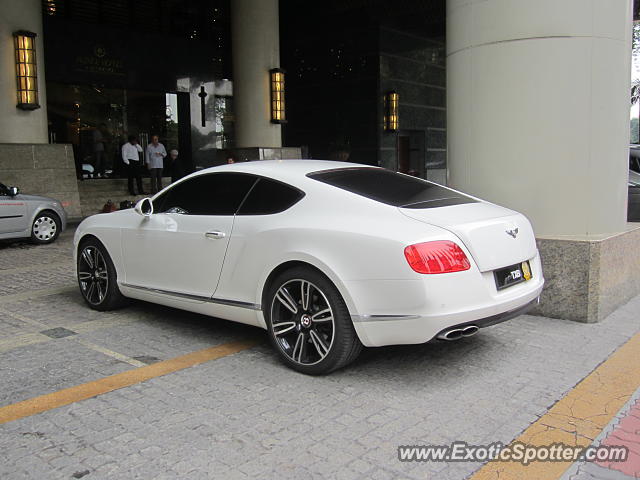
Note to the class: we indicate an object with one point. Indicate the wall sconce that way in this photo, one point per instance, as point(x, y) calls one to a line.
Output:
point(391, 118)
point(277, 95)
point(26, 70)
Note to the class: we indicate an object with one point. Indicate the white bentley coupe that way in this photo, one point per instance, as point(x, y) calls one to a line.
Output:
point(326, 256)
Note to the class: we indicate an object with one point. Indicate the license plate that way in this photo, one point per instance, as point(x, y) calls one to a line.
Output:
point(509, 276)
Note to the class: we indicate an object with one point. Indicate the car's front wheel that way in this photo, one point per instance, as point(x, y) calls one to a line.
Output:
point(45, 228)
point(97, 277)
point(309, 323)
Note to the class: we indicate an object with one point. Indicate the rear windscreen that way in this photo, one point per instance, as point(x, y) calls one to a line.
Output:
point(391, 188)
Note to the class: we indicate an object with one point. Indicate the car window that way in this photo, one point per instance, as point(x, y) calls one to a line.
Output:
point(391, 188)
point(210, 194)
point(270, 196)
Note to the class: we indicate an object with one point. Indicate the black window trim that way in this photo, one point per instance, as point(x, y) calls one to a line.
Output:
point(257, 179)
point(301, 193)
point(435, 202)
point(187, 179)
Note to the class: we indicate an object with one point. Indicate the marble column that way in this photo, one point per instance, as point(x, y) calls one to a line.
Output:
point(538, 109)
point(255, 40)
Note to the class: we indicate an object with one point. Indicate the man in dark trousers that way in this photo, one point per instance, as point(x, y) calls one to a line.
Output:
point(131, 157)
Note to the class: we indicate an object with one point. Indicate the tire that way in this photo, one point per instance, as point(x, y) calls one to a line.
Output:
point(97, 277)
point(45, 227)
point(313, 331)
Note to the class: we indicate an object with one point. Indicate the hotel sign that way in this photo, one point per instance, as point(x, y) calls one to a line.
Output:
point(99, 62)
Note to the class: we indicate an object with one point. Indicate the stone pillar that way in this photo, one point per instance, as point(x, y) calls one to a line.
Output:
point(255, 43)
point(19, 126)
point(538, 120)
point(538, 109)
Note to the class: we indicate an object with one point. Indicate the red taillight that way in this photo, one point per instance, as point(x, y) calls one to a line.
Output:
point(441, 256)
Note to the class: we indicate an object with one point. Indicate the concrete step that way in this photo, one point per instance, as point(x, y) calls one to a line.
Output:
point(94, 193)
point(92, 207)
point(112, 184)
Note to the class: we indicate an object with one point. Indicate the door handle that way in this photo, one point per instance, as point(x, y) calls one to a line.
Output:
point(215, 234)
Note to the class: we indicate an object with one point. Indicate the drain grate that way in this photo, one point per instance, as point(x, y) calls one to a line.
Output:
point(58, 332)
point(148, 359)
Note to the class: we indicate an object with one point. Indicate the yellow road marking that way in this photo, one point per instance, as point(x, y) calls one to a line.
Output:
point(22, 318)
point(88, 390)
point(16, 297)
point(109, 353)
point(30, 268)
point(577, 418)
point(31, 338)
point(22, 340)
point(117, 320)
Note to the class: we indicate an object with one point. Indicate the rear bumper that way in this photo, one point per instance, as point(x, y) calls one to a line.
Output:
point(495, 319)
point(402, 330)
point(413, 314)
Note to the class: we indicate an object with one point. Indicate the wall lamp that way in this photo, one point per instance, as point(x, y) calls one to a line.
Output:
point(391, 118)
point(277, 95)
point(26, 70)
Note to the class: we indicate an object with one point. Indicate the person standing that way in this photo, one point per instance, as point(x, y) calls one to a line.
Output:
point(98, 149)
point(155, 162)
point(175, 166)
point(131, 157)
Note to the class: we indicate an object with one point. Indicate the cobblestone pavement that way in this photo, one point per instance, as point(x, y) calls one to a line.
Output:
point(247, 416)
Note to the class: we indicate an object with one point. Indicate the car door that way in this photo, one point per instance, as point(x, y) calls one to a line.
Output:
point(182, 246)
point(13, 213)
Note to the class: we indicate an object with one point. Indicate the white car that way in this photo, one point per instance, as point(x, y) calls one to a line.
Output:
point(326, 256)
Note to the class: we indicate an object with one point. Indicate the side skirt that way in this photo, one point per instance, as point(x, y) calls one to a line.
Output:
point(234, 310)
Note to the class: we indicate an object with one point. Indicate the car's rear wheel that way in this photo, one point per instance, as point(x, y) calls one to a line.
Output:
point(45, 228)
point(97, 277)
point(309, 323)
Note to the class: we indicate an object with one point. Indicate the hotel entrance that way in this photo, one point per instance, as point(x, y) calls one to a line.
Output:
point(97, 122)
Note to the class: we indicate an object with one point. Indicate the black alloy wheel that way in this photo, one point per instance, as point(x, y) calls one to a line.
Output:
point(309, 323)
point(97, 277)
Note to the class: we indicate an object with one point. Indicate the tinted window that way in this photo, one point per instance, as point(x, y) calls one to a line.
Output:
point(269, 196)
point(391, 188)
point(212, 194)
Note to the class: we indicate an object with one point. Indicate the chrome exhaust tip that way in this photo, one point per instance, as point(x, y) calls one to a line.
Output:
point(470, 331)
point(458, 333)
point(451, 335)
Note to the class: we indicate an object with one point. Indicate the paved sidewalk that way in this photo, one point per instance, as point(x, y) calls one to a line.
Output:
point(247, 416)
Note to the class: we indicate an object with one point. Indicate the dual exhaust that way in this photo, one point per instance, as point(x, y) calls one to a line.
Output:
point(458, 333)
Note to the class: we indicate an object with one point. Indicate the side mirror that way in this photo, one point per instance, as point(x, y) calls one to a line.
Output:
point(13, 191)
point(144, 207)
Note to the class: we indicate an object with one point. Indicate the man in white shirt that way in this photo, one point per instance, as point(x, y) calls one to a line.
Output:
point(131, 157)
point(155, 162)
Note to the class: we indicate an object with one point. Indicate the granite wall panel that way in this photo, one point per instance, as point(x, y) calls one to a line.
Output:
point(42, 169)
point(587, 279)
